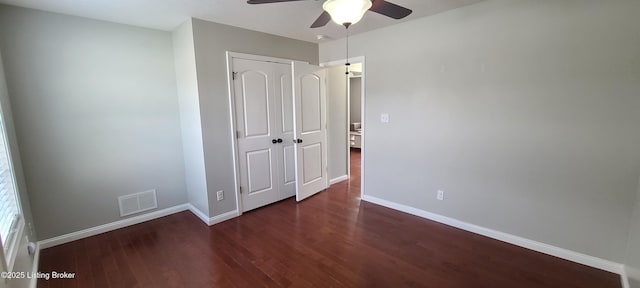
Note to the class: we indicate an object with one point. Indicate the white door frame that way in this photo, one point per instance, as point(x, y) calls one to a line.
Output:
point(234, 140)
point(358, 59)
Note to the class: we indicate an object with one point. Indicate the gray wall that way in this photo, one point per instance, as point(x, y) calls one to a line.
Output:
point(632, 257)
point(96, 116)
point(23, 261)
point(191, 127)
point(355, 97)
point(212, 40)
point(525, 112)
point(337, 121)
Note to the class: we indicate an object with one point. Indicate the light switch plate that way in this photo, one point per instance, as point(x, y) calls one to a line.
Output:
point(384, 118)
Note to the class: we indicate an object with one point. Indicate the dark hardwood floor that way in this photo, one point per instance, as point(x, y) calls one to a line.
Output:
point(329, 240)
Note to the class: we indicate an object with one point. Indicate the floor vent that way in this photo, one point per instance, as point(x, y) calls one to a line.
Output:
point(137, 202)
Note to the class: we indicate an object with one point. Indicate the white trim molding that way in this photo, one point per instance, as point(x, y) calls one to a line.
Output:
point(505, 237)
point(36, 263)
point(55, 241)
point(215, 219)
point(66, 238)
point(338, 179)
point(223, 217)
point(259, 57)
point(13, 245)
point(198, 213)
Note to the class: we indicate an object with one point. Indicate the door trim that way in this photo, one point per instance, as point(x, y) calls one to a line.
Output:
point(358, 59)
point(232, 115)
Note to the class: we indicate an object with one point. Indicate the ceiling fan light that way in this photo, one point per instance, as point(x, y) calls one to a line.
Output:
point(346, 11)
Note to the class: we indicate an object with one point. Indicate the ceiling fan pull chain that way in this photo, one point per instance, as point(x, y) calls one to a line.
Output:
point(347, 64)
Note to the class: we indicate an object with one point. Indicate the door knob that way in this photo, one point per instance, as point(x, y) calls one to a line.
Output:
point(274, 141)
point(297, 141)
point(279, 140)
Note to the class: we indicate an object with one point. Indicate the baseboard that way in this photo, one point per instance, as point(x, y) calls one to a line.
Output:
point(47, 243)
point(223, 217)
point(338, 179)
point(198, 213)
point(215, 219)
point(505, 237)
point(34, 269)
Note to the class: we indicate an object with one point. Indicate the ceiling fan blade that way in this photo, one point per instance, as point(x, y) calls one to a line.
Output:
point(389, 9)
point(268, 1)
point(322, 20)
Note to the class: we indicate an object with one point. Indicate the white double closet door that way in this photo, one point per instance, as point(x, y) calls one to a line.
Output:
point(281, 130)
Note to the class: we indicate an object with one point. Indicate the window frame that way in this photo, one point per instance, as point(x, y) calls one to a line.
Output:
point(11, 245)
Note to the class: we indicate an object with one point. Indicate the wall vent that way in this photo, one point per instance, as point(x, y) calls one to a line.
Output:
point(137, 202)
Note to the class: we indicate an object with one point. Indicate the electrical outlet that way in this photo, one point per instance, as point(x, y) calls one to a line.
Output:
point(440, 195)
point(220, 195)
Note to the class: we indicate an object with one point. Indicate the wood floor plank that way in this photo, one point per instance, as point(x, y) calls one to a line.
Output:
point(96, 253)
point(330, 240)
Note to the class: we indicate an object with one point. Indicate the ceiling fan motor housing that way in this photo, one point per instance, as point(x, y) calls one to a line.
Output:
point(343, 11)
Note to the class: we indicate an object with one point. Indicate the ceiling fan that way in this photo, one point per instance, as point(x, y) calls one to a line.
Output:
point(348, 12)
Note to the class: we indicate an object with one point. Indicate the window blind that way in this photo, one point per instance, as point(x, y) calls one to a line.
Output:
point(9, 211)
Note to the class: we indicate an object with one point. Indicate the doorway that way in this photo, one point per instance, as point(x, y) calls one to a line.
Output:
point(346, 126)
point(354, 98)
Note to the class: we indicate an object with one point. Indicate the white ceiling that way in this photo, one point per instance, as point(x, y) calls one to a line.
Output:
point(286, 19)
